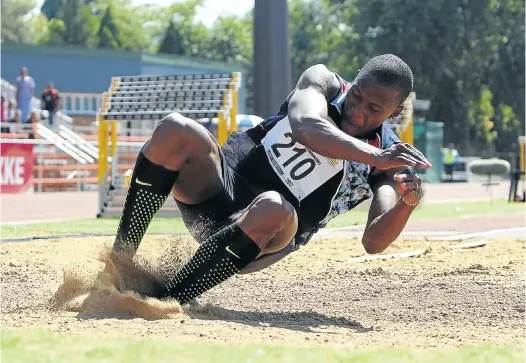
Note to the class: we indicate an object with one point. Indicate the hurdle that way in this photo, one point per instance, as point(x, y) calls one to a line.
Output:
point(149, 99)
point(405, 128)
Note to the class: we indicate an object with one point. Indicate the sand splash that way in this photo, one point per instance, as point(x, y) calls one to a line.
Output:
point(115, 284)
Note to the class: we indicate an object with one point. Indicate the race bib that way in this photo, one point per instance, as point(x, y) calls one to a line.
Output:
point(300, 169)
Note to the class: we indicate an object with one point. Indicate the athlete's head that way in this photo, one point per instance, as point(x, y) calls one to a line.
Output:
point(377, 93)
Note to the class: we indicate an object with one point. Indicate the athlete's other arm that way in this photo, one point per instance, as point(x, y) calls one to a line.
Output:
point(310, 125)
point(388, 213)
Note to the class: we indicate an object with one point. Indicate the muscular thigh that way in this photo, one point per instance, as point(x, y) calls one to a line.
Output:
point(200, 177)
point(182, 144)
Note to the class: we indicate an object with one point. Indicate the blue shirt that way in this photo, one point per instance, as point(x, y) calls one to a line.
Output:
point(24, 86)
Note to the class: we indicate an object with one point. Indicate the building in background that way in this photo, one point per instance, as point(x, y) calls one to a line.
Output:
point(83, 74)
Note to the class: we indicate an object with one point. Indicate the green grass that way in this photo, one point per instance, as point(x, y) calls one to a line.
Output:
point(46, 346)
point(93, 226)
point(437, 211)
point(175, 225)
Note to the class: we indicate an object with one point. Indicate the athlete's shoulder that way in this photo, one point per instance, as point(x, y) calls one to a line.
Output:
point(320, 77)
point(317, 71)
point(387, 135)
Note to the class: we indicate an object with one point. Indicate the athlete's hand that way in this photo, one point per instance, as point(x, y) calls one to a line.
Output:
point(409, 187)
point(400, 155)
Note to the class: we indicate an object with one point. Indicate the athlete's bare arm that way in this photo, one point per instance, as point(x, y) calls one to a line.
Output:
point(388, 214)
point(310, 125)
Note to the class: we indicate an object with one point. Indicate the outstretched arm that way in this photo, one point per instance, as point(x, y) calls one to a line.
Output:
point(395, 198)
point(310, 125)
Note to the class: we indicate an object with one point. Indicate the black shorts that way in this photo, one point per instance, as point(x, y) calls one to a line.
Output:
point(206, 218)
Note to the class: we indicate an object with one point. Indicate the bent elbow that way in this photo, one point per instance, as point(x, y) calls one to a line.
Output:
point(373, 247)
point(298, 132)
point(372, 250)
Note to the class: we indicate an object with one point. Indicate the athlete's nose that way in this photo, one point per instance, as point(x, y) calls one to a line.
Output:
point(356, 115)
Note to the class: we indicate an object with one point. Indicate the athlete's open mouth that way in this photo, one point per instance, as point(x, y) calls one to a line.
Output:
point(349, 127)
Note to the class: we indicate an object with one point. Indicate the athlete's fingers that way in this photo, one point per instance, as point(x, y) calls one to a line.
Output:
point(409, 185)
point(420, 164)
point(415, 153)
point(408, 156)
point(406, 160)
point(402, 177)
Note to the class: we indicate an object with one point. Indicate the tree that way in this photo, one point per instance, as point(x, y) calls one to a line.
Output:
point(108, 32)
point(132, 29)
point(480, 116)
point(231, 40)
point(505, 73)
point(14, 27)
point(450, 45)
point(507, 128)
point(316, 36)
point(55, 33)
point(174, 41)
point(51, 8)
point(79, 23)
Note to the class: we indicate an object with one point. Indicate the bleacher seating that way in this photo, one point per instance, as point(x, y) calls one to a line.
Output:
point(145, 100)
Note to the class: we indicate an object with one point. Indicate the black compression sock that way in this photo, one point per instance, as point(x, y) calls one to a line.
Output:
point(149, 187)
point(222, 256)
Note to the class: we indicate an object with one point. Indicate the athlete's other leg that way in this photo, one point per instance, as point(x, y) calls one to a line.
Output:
point(267, 226)
point(181, 157)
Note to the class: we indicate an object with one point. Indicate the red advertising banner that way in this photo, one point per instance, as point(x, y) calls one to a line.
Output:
point(16, 167)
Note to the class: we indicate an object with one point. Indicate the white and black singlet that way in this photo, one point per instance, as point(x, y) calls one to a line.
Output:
point(265, 158)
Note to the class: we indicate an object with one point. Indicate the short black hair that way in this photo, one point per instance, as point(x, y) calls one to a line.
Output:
point(391, 71)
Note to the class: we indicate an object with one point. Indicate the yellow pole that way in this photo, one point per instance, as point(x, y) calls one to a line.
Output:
point(114, 83)
point(222, 129)
point(114, 126)
point(105, 101)
point(103, 148)
point(100, 139)
point(407, 133)
point(233, 109)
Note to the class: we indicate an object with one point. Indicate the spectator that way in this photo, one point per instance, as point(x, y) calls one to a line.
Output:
point(17, 117)
point(450, 159)
point(50, 102)
point(25, 86)
point(14, 118)
point(34, 119)
point(4, 129)
point(3, 110)
point(11, 110)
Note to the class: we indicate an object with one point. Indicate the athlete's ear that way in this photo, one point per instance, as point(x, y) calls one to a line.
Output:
point(397, 111)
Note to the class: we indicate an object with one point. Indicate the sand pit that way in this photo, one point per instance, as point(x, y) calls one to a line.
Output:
point(443, 297)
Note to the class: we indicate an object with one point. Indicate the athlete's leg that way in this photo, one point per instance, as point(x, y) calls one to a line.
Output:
point(267, 226)
point(181, 157)
point(267, 260)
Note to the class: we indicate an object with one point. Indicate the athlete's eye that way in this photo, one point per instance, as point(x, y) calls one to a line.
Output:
point(374, 109)
point(355, 94)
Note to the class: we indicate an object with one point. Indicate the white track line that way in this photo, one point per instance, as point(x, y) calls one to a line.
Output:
point(517, 232)
point(37, 222)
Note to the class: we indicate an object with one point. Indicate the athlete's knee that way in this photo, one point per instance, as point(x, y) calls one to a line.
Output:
point(168, 141)
point(275, 210)
point(172, 125)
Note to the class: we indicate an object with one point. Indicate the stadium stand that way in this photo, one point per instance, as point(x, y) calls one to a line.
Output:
point(144, 101)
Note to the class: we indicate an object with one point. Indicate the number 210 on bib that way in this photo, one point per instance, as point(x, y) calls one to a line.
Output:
point(300, 169)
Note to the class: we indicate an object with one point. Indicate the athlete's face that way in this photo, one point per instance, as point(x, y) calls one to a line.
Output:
point(367, 105)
